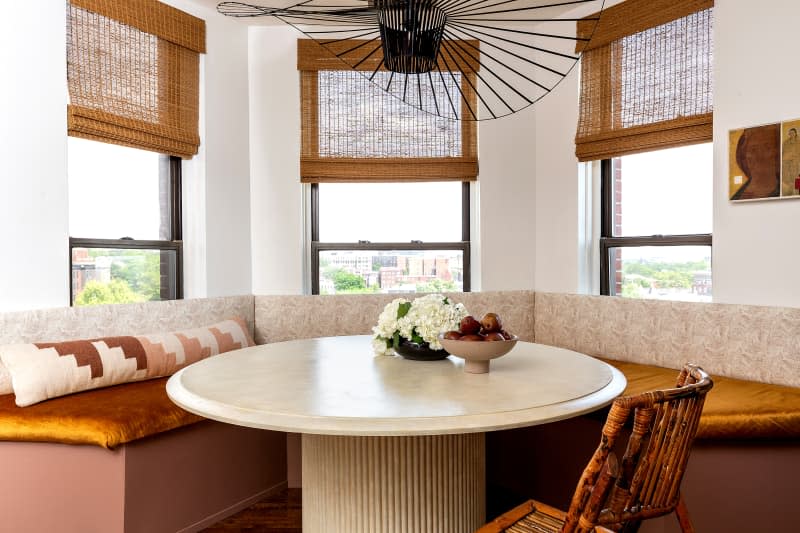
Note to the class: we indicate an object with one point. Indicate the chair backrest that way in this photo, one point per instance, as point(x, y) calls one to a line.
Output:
point(646, 482)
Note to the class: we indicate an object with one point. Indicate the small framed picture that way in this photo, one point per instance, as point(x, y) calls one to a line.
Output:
point(790, 158)
point(755, 163)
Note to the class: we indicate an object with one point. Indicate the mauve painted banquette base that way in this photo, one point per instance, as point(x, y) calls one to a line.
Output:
point(179, 481)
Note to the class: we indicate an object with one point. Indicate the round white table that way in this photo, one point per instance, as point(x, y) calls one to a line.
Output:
point(391, 445)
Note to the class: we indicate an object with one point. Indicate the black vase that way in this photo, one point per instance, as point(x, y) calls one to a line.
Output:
point(419, 351)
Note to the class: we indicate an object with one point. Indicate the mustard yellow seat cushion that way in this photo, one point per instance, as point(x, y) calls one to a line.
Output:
point(734, 409)
point(105, 417)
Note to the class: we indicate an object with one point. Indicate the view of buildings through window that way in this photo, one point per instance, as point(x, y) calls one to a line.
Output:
point(363, 246)
point(108, 275)
point(661, 218)
point(120, 225)
point(389, 184)
point(391, 271)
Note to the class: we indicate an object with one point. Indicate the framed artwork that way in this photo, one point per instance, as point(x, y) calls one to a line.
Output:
point(764, 162)
point(790, 158)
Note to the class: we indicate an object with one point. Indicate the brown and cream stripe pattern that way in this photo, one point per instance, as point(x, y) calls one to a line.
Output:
point(46, 370)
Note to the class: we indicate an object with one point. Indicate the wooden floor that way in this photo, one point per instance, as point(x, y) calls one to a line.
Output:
point(280, 513)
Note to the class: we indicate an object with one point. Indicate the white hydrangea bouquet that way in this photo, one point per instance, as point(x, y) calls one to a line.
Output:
point(418, 321)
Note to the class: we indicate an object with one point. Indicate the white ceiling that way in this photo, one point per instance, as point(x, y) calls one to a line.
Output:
point(248, 21)
point(272, 21)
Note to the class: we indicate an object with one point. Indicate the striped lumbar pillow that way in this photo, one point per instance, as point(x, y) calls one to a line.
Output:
point(47, 370)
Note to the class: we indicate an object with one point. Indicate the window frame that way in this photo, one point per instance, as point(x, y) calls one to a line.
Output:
point(174, 244)
point(608, 240)
point(464, 245)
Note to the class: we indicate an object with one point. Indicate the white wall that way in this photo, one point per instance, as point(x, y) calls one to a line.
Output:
point(506, 256)
point(756, 81)
point(227, 159)
point(34, 253)
point(507, 194)
point(244, 182)
point(557, 189)
point(564, 247)
point(277, 195)
point(756, 244)
point(241, 191)
point(33, 180)
point(217, 181)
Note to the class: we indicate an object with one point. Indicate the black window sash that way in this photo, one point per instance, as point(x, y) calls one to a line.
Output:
point(175, 244)
point(463, 245)
point(609, 241)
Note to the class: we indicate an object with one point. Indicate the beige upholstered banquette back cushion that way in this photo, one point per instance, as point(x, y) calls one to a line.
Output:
point(739, 341)
point(60, 324)
point(280, 318)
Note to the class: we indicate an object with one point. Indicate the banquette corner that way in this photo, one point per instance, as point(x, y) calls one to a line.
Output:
point(153, 467)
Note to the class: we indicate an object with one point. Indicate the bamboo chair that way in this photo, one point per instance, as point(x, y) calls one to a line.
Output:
point(617, 496)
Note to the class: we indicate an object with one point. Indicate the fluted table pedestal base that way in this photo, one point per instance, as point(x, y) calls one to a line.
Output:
point(413, 484)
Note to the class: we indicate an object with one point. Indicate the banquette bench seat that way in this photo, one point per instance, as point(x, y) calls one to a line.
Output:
point(110, 417)
point(748, 445)
point(106, 417)
point(756, 399)
point(737, 409)
point(125, 458)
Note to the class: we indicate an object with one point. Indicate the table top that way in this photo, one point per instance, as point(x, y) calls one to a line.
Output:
point(338, 386)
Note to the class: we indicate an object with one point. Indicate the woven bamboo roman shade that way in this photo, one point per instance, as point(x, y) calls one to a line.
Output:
point(133, 74)
point(353, 131)
point(646, 78)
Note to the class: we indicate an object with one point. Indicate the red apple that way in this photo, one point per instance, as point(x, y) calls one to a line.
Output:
point(452, 335)
point(471, 337)
point(491, 322)
point(494, 336)
point(469, 326)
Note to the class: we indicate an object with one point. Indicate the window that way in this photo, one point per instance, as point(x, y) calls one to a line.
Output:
point(390, 193)
point(124, 224)
point(133, 80)
point(656, 224)
point(646, 112)
point(357, 245)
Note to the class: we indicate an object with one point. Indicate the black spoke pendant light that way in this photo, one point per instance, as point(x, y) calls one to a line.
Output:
point(512, 52)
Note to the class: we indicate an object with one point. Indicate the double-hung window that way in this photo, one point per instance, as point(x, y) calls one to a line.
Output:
point(389, 184)
point(656, 215)
point(125, 224)
point(646, 114)
point(133, 79)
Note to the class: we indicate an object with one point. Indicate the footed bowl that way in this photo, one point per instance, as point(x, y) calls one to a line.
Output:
point(477, 354)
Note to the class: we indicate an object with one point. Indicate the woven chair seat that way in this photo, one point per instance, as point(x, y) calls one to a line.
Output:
point(531, 517)
point(538, 520)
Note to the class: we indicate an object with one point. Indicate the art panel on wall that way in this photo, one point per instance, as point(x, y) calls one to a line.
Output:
point(790, 159)
point(764, 162)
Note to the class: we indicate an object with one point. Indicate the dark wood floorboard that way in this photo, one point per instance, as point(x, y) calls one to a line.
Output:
point(280, 513)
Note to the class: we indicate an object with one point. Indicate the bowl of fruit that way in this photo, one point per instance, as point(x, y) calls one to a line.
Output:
point(478, 342)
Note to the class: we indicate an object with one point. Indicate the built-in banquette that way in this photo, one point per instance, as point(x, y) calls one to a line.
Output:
point(124, 458)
